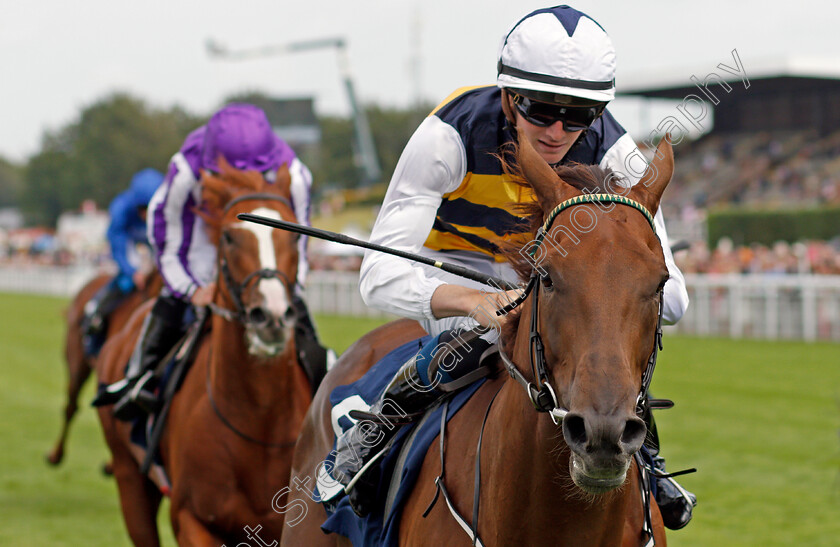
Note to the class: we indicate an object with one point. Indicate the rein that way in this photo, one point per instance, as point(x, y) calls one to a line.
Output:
point(540, 392)
point(232, 427)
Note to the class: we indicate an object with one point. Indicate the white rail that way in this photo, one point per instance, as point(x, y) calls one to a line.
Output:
point(796, 307)
point(46, 280)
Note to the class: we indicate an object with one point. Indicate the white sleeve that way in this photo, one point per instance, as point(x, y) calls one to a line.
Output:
point(432, 164)
point(170, 226)
point(301, 187)
point(624, 157)
point(675, 296)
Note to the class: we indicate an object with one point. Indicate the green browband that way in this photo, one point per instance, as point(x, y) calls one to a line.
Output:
point(589, 198)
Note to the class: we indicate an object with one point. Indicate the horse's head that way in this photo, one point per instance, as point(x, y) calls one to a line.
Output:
point(257, 265)
point(599, 271)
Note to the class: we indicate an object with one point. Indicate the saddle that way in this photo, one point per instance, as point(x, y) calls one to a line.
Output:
point(146, 431)
point(400, 465)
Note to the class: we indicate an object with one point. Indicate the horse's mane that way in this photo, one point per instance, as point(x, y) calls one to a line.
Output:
point(586, 178)
point(217, 190)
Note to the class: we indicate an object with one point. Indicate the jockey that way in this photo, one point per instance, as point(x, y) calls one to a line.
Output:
point(556, 70)
point(186, 258)
point(126, 230)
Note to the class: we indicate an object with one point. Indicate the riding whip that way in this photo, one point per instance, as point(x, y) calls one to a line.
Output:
point(455, 269)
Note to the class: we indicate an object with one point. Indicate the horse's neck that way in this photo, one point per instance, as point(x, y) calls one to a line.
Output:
point(238, 375)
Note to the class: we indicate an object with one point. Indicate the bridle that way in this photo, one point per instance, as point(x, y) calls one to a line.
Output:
point(235, 290)
point(240, 314)
point(540, 392)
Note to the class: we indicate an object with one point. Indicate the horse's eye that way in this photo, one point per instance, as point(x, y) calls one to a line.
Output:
point(547, 282)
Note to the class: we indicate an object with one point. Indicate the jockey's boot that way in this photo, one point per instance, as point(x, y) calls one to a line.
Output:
point(444, 365)
point(314, 357)
point(675, 502)
point(401, 403)
point(134, 395)
point(95, 319)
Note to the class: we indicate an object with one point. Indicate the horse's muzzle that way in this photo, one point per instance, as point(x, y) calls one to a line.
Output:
point(268, 334)
point(602, 447)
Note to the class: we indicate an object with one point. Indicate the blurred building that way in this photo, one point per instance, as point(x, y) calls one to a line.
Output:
point(769, 136)
point(82, 233)
point(10, 218)
point(786, 95)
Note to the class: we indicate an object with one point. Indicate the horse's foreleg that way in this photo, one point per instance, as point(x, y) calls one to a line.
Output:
point(139, 497)
point(140, 500)
point(78, 372)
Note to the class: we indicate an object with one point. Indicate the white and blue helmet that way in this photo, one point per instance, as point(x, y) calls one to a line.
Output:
point(558, 51)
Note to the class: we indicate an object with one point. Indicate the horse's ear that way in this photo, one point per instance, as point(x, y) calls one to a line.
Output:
point(284, 181)
point(657, 176)
point(549, 188)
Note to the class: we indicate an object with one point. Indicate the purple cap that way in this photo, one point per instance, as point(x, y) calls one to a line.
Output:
point(242, 134)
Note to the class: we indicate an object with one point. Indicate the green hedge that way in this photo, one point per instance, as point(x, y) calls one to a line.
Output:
point(767, 227)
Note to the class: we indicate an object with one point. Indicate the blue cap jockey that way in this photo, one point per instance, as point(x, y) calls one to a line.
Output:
point(128, 223)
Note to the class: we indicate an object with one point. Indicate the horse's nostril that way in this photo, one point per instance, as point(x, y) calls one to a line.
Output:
point(634, 434)
point(574, 429)
point(289, 315)
point(257, 316)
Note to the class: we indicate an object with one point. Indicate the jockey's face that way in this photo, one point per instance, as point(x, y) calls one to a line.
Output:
point(553, 125)
point(551, 142)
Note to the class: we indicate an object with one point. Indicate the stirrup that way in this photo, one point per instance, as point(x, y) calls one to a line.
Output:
point(112, 393)
point(138, 401)
point(366, 467)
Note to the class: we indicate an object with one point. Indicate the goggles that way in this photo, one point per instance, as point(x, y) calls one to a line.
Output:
point(574, 118)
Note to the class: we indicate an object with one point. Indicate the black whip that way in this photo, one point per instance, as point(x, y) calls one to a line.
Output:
point(492, 281)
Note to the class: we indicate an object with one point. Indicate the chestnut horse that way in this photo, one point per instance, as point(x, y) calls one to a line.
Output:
point(231, 428)
point(565, 476)
point(80, 365)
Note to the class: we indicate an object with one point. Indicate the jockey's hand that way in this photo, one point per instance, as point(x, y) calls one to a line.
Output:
point(203, 296)
point(139, 279)
point(457, 301)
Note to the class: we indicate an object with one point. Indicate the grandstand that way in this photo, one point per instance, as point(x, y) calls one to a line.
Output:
point(775, 138)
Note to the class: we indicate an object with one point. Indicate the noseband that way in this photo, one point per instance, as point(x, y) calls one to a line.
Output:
point(237, 289)
point(540, 392)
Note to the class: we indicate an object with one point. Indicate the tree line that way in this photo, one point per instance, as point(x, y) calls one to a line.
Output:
point(95, 156)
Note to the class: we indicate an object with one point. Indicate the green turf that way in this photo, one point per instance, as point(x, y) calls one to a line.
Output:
point(73, 504)
point(760, 420)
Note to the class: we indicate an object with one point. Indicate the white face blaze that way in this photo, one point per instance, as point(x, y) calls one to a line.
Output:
point(272, 289)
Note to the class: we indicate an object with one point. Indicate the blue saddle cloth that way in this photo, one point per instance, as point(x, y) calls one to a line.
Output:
point(378, 529)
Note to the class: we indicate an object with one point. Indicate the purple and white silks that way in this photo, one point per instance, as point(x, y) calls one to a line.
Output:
point(185, 256)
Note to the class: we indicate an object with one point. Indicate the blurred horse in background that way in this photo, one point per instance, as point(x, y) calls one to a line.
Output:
point(79, 364)
point(227, 447)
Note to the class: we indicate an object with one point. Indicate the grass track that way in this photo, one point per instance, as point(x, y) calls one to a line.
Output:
point(759, 419)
